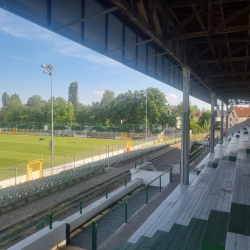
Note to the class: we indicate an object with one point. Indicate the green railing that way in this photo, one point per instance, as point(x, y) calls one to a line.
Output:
point(197, 153)
point(125, 203)
point(49, 218)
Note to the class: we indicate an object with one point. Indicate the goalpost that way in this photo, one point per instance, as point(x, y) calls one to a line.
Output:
point(34, 169)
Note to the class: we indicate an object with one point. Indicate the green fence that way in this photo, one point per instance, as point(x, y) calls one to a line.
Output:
point(50, 217)
point(101, 127)
point(198, 152)
point(124, 208)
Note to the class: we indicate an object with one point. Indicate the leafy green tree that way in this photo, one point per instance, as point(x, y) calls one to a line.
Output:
point(13, 110)
point(172, 121)
point(195, 108)
point(178, 112)
point(15, 97)
point(73, 96)
point(63, 111)
point(157, 106)
point(107, 107)
point(204, 119)
point(34, 110)
point(194, 126)
point(5, 99)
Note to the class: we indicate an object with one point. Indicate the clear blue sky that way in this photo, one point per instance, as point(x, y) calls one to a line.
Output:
point(24, 46)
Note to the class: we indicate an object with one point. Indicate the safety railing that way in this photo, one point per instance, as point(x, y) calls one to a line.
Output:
point(198, 152)
point(49, 218)
point(124, 208)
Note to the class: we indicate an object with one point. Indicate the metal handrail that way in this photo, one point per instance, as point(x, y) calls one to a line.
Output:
point(197, 152)
point(52, 216)
point(94, 224)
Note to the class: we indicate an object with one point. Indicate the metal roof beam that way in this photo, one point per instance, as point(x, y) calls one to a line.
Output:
point(185, 3)
point(216, 40)
point(131, 45)
point(232, 74)
point(233, 59)
point(206, 33)
point(88, 17)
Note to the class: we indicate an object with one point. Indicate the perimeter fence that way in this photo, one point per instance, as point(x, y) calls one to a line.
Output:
point(14, 175)
point(99, 127)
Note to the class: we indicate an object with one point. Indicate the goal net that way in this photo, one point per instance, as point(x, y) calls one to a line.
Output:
point(34, 169)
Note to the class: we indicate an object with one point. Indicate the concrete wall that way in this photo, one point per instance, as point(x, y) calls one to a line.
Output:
point(148, 176)
point(44, 239)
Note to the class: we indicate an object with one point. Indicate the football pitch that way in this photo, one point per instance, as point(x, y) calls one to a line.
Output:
point(18, 149)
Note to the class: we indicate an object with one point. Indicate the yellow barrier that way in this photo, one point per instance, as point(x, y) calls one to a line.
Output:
point(33, 167)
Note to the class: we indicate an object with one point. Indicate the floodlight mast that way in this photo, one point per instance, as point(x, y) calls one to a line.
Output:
point(49, 70)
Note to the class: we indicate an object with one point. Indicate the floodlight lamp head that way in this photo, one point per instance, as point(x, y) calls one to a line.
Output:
point(44, 66)
point(45, 72)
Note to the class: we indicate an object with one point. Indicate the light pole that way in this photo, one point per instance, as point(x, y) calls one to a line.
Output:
point(49, 70)
point(41, 140)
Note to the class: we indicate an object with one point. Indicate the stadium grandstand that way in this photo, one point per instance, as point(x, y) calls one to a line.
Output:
point(200, 48)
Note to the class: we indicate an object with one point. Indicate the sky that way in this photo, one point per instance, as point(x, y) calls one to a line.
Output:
point(24, 46)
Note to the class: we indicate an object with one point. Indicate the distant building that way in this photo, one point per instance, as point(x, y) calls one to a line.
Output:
point(218, 117)
point(170, 110)
point(238, 115)
point(197, 115)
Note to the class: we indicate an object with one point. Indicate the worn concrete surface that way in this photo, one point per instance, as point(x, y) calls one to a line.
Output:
point(127, 230)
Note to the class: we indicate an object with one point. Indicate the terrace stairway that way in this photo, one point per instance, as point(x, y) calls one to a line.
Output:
point(213, 212)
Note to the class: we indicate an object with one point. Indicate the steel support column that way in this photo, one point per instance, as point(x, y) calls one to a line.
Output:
point(221, 123)
point(212, 123)
point(185, 129)
point(226, 120)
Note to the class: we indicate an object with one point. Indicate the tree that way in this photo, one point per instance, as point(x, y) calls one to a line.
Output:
point(194, 126)
point(5, 99)
point(15, 97)
point(63, 111)
point(12, 111)
point(73, 96)
point(195, 108)
point(107, 107)
point(172, 121)
point(178, 112)
point(35, 109)
point(204, 119)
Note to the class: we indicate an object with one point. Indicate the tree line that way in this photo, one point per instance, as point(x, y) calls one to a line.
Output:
point(126, 108)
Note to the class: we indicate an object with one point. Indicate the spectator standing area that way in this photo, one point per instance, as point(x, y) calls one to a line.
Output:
point(210, 213)
point(200, 48)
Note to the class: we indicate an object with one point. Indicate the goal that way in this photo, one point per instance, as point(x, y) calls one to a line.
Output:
point(34, 169)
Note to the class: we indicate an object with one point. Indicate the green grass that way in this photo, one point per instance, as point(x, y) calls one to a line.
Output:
point(18, 149)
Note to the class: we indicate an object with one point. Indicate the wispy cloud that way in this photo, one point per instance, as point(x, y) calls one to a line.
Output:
point(19, 27)
point(17, 58)
point(103, 60)
point(99, 92)
point(172, 96)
